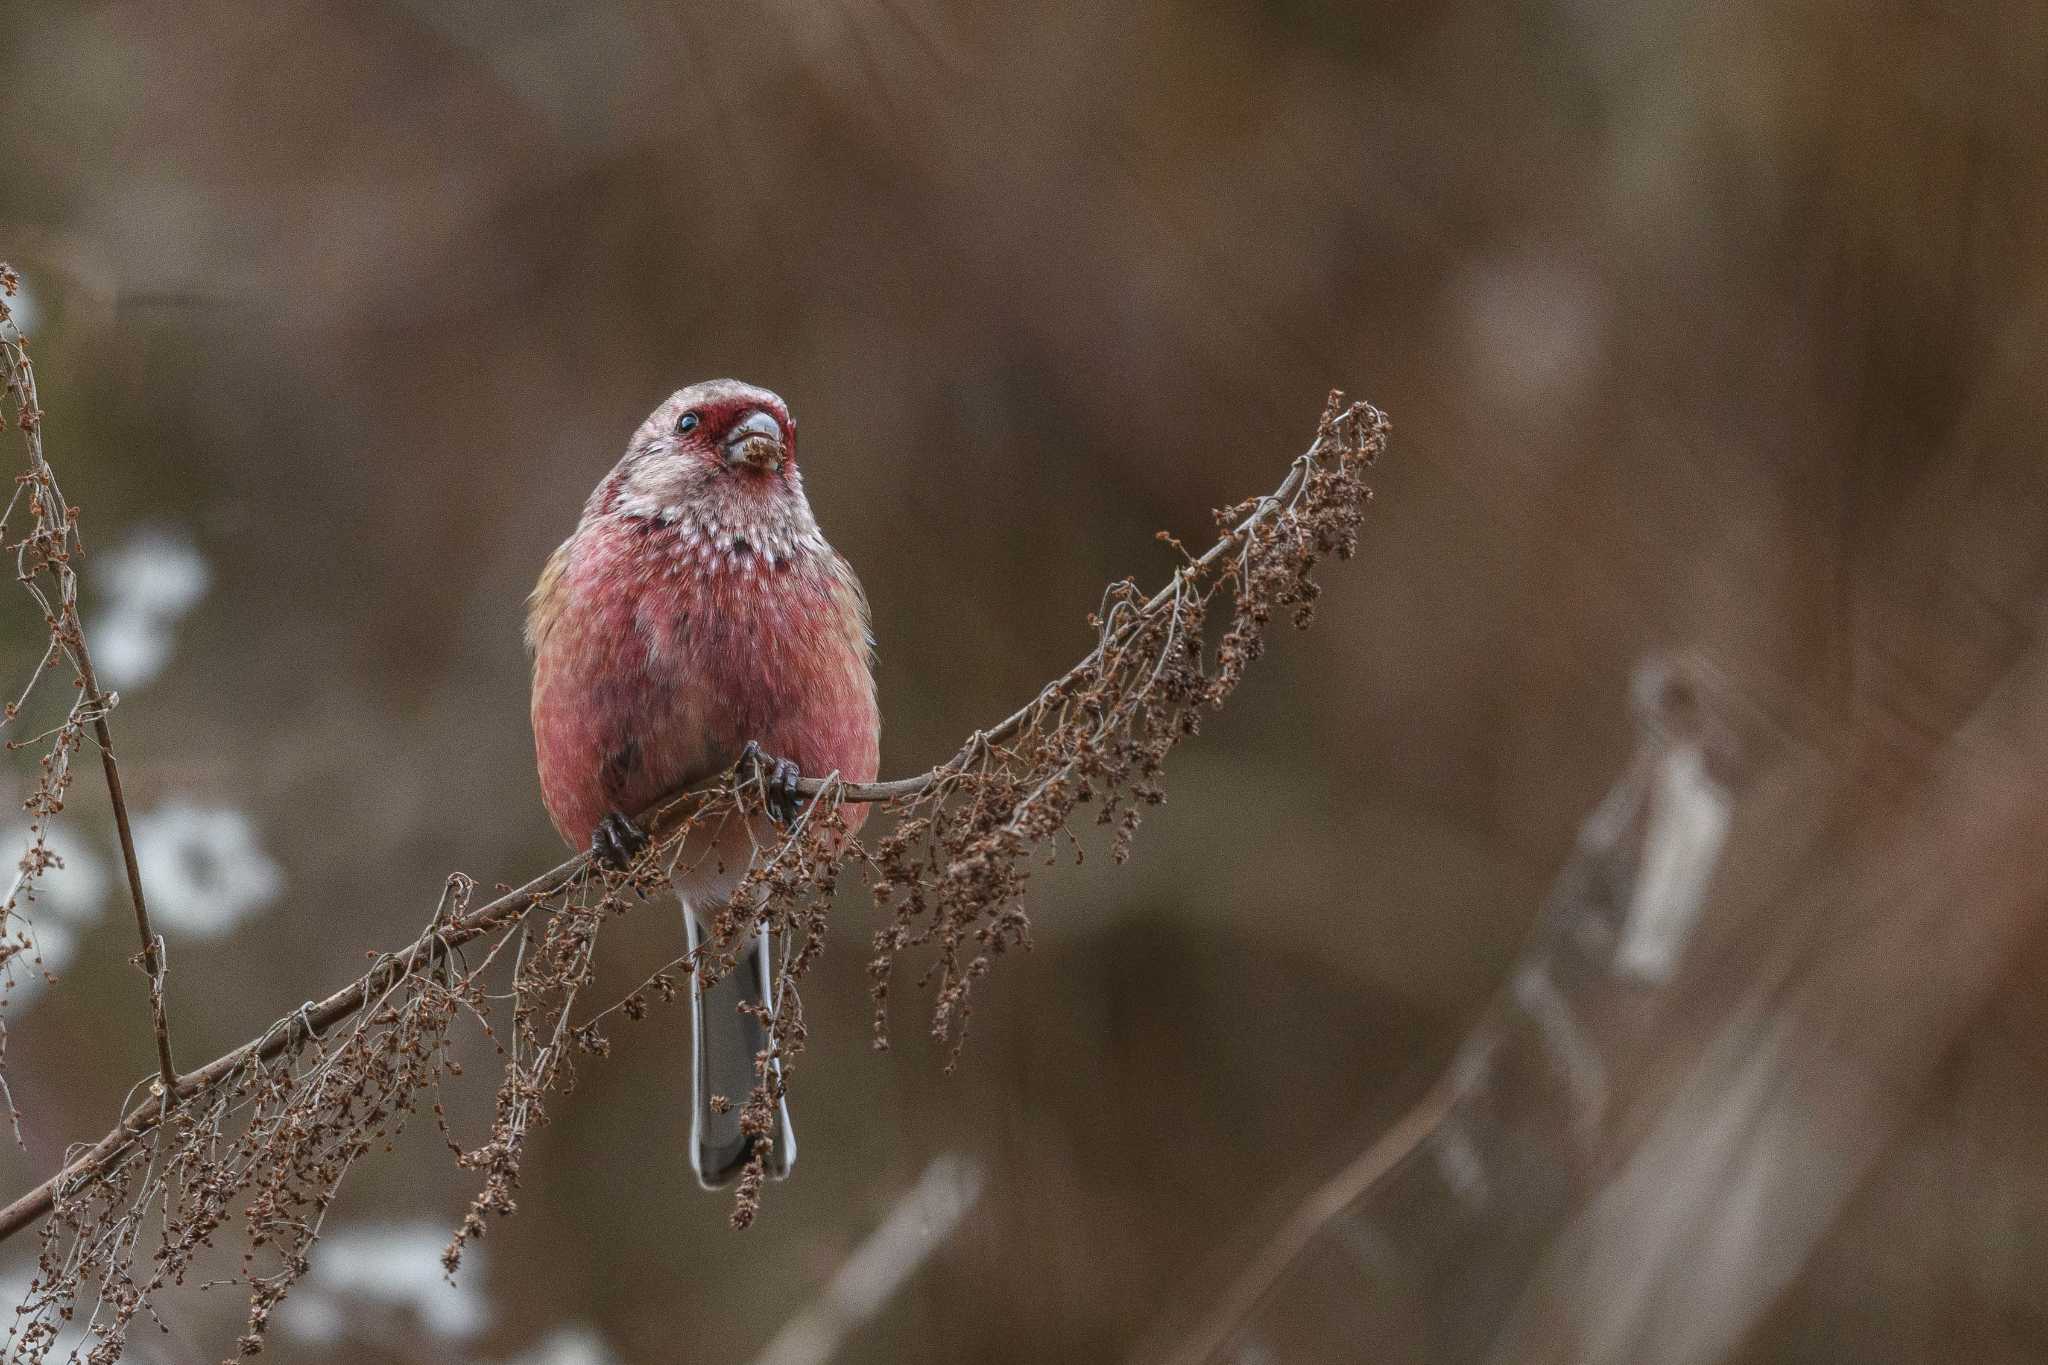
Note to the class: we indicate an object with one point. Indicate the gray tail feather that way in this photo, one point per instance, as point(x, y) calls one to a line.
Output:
point(724, 1043)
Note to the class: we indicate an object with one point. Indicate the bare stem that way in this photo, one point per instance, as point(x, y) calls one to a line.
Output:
point(70, 632)
point(154, 964)
point(430, 947)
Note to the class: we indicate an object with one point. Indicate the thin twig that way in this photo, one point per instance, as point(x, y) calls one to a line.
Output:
point(431, 946)
point(70, 631)
point(154, 963)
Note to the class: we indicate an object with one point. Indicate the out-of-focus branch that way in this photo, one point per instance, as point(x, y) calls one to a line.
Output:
point(1315, 1213)
point(917, 1226)
point(1628, 1162)
point(1788, 1105)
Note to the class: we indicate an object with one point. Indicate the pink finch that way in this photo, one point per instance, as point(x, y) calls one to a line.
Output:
point(695, 611)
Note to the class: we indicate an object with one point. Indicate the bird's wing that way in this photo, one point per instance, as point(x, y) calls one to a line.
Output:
point(544, 605)
point(850, 586)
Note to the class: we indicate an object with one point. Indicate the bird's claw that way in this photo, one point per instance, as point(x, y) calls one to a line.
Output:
point(617, 841)
point(778, 777)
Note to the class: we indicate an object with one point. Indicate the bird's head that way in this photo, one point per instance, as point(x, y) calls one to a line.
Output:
point(722, 444)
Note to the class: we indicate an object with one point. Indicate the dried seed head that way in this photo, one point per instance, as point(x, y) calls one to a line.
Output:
point(268, 1139)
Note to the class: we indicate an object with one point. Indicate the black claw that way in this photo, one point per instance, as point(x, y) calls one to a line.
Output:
point(779, 777)
point(617, 841)
point(784, 800)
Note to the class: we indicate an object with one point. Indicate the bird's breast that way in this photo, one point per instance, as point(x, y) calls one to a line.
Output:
point(668, 657)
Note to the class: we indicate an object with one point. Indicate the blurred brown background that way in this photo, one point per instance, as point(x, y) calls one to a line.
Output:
point(1712, 328)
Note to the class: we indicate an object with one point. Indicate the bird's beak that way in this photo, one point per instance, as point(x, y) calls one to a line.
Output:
point(758, 440)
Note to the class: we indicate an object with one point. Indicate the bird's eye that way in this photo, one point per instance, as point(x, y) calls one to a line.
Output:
point(688, 422)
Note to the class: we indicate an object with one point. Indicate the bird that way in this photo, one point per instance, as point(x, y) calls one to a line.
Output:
point(696, 619)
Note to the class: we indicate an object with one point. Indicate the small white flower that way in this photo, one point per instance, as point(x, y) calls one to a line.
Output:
point(156, 572)
point(387, 1265)
point(150, 581)
point(129, 648)
point(568, 1346)
point(203, 868)
point(45, 923)
point(23, 307)
point(77, 891)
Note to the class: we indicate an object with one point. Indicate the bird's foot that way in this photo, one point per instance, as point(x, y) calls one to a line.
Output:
point(617, 841)
point(778, 777)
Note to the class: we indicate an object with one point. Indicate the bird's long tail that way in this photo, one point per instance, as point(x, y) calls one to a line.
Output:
point(725, 1040)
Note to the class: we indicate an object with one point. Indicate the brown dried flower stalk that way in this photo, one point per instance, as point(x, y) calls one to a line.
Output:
point(270, 1131)
point(45, 564)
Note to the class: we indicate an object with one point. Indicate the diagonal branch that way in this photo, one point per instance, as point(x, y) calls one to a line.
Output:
point(293, 1030)
point(1346, 434)
point(441, 939)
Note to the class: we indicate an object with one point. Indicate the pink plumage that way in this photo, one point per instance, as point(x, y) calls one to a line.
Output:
point(697, 607)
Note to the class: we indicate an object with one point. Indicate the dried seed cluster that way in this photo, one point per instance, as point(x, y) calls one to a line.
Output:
point(953, 870)
point(951, 874)
point(42, 550)
point(267, 1134)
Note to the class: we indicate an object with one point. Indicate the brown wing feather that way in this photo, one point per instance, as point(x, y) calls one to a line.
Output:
point(544, 604)
point(843, 571)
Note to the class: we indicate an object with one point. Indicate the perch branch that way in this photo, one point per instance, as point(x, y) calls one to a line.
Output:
point(508, 907)
point(291, 1030)
point(1356, 432)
